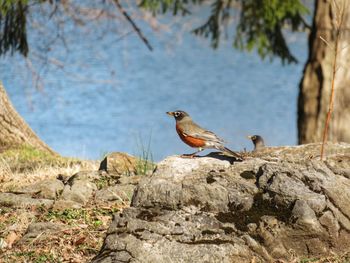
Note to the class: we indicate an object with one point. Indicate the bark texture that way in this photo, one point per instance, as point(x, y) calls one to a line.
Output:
point(315, 87)
point(13, 129)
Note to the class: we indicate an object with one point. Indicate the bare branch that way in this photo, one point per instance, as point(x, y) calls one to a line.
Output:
point(133, 24)
point(36, 77)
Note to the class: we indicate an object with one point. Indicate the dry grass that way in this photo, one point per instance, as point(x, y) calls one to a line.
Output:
point(84, 229)
point(341, 258)
point(25, 165)
point(79, 241)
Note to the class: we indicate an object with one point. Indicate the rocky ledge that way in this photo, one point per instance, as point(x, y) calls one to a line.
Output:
point(280, 203)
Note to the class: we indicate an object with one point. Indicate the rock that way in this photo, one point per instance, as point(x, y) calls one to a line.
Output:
point(328, 221)
point(41, 229)
point(339, 165)
point(305, 217)
point(47, 189)
point(80, 191)
point(129, 180)
point(118, 164)
point(203, 183)
point(117, 194)
point(302, 153)
point(21, 201)
point(66, 204)
point(212, 210)
point(84, 176)
point(155, 236)
point(120, 193)
point(286, 181)
point(83, 186)
point(74, 192)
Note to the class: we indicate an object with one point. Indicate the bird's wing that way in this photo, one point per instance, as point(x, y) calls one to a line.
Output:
point(196, 131)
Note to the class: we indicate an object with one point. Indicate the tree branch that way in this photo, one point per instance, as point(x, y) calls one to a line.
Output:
point(133, 24)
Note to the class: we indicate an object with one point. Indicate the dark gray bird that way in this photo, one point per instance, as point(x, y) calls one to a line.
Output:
point(258, 142)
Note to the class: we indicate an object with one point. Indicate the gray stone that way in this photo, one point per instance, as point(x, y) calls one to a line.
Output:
point(204, 183)
point(84, 176)
point(330, 223)
point(47, 189)
point(209, 209)
point(305, 217)
point(339, 165)
point(169, 237)
point(80, 191)
point(119, 194)
point(41, 230)
point(21, 201)
point(285, 181)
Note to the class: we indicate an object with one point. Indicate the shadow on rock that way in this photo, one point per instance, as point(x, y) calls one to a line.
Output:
point(222, 157)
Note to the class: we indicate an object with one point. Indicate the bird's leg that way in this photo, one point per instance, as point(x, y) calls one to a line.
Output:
point(191, 155)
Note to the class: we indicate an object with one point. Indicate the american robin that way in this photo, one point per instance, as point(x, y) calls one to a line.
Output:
point(197, 137)
point(258, 142)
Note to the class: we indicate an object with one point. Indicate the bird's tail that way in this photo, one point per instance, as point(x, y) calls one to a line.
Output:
point(231, 153)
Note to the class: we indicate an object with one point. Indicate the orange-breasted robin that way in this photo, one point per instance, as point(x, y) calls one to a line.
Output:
point(197, 137)
point(258, 142)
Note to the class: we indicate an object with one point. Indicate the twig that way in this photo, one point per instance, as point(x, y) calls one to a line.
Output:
point(133, 24)
point(330, 109)
point(36, 77)
point(326, 42)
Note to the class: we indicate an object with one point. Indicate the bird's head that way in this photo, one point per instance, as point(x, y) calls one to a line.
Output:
point(178, 115)
point(257, 140)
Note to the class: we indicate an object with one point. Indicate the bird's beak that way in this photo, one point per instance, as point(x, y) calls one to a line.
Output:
point(249, 137)
point(170, 113)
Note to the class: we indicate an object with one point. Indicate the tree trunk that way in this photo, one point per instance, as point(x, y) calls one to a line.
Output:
point(315, 86)
point(14, 131)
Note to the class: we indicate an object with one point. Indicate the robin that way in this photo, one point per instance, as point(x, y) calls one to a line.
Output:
point(197, 137)
point(258, 142)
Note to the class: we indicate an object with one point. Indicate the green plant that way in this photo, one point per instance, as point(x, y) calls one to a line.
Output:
point(68, 215)
point(90, 217)
point(145, 162)
point(33, 256)
point(42, 258)
point(104, 181)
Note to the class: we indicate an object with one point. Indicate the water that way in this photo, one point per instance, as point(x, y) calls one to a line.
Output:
point(114, 96)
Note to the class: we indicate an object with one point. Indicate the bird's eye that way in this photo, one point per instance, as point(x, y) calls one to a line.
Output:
point(177, 114)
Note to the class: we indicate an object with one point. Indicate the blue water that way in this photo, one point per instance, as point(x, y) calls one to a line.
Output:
point(113, 94)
